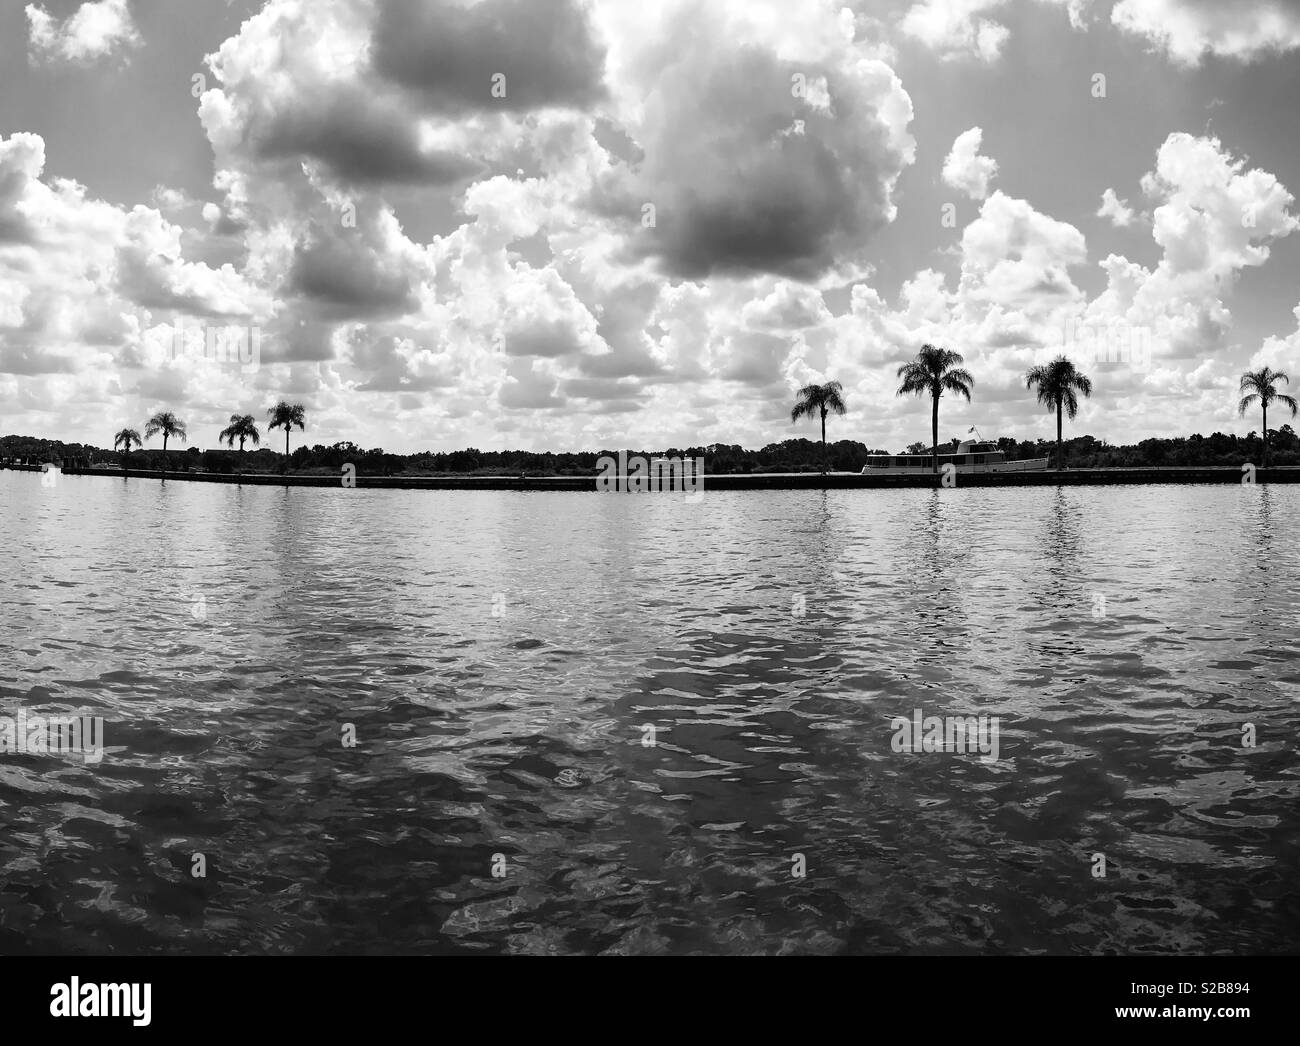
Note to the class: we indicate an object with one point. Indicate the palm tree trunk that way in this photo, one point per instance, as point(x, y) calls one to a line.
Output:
point(164, 468)
point(1060, 450)
point(824, 462)
point(286, 449)
point(1266, 435)
point(934, 443)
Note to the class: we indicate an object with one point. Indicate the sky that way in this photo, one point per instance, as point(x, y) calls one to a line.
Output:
point(581, 224)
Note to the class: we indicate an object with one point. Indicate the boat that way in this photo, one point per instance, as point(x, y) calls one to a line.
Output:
point(969, 457)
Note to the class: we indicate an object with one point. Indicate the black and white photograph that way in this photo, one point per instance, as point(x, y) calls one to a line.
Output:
point(712, 478)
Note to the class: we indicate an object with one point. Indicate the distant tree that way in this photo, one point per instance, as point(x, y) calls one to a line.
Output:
point(1258, 385)
point(242, 427)
point(286, 416)
point(934, 372)
point(1058, 382)
point(167, 424)
point(126, 438)
point(818, 401)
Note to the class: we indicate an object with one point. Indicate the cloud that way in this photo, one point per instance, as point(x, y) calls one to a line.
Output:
point(1117, 211)
point(96, 30)
point(1213, 218)
point(954, 28)
point(544, 51)
point(1188, 30)
point(1216, 217)
point(1013, 255)
point(965, 169)
point(764, 151)
point(961, 28)
point(83, 280)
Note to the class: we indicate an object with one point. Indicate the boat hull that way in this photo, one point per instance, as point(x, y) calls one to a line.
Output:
point(1027, 465)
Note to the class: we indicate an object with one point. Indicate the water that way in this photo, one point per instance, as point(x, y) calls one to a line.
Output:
point(501, 655)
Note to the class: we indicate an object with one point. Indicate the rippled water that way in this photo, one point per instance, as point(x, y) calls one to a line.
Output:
point(501, 656)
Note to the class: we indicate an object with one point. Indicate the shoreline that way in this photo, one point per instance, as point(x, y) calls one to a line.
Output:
point(1182, 474)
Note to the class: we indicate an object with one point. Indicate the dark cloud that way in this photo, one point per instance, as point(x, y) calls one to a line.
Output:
point(21, 160)
point(27, 358)
point(363, 139)
point(347, 277)
point(525, 388)
point(550, 338)
point(747, 178)
point(391, 370)
point(449, 52)
point(289, 340)
point(755, 359)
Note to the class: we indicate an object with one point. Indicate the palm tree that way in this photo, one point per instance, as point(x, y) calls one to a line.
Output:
point(933, 372)
point(287, 416)
point(125, 438)
point(242, 427)
point(820, 400)
point(1057, 384)
point(1259, 385)
point(168, 424)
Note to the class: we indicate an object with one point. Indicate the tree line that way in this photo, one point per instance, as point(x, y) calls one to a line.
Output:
point(934, 372)
point(1057, 384)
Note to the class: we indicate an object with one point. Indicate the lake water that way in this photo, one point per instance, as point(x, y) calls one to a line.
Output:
point(638, 711)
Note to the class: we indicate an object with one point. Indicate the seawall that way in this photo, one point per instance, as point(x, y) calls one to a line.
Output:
point(764, 481)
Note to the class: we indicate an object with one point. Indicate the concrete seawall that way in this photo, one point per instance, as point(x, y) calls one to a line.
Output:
point(765, 481)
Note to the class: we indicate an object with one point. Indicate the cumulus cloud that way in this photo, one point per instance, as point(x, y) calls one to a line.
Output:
point(970, 28)
point(84, 281)
point(955, 27)
point(536, 53)
point(1213, 218)
point(965, 169)
point(764, 150)
point(1013, 255)
point(96, 30)
point(1117, 211)
point(1189, 30)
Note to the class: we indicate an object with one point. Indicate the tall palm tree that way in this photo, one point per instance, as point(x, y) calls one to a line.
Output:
point(1057, 383)
point(934, 372)
point(1259, 385)
point(287, 416)
point(820, 400)
point(242, 427)
point(167, 424)
point(125, 438)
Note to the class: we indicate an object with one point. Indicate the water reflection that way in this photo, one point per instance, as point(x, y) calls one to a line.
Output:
point(621, 702)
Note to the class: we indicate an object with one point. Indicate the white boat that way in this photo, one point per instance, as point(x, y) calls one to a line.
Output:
point(972, 456)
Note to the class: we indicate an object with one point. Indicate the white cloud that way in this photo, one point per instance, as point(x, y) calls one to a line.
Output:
point(954, 28)
point(95, 30)
point(965, 169)
point(1118, 211)
point(1188, 30)
point(966, 28)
